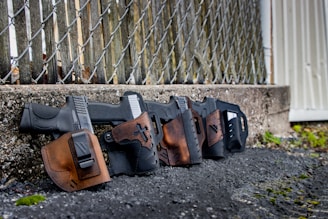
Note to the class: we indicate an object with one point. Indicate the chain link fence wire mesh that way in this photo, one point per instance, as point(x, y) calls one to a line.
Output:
point(131, 42)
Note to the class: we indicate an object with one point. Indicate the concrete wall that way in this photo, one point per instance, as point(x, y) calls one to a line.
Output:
point(266, 108)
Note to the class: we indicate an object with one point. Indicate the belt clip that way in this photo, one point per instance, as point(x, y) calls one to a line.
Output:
point(82, 147)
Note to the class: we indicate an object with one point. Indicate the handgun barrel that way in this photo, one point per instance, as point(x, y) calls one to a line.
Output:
point(113, 114)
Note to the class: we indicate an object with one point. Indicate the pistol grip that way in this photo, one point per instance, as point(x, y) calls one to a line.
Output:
point(39, 118)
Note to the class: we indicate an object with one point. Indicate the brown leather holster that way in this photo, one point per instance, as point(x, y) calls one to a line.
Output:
point(214, 146)
point(138, 129)
point(75, 161)
point(181, 144)
point(213, 128)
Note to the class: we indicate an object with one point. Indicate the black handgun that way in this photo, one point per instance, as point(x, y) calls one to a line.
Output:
point(38, 118)
point(74, 116)
point(180, 144)
point(73, 160)
point(131, 144)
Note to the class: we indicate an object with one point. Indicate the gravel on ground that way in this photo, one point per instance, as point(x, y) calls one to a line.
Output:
point(257, 183)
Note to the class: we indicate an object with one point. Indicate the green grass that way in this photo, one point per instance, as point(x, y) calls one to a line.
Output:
point(312, 136)
point(303, 176)
point(268, 137)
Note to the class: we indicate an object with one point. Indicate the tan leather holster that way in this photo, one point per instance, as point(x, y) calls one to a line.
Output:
point(173, 150)
point(75, 161)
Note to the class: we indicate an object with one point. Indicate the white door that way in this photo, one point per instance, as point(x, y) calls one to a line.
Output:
point(299, 46)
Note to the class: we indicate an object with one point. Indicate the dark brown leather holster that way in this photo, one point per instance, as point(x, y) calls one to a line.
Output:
point(75, 161)
point(181, 144)
point(214, 146)
point(213, 128)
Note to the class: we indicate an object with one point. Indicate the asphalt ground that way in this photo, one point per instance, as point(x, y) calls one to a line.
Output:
point(257, 183)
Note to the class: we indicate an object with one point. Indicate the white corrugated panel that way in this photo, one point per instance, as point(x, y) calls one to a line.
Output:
point(299, 39)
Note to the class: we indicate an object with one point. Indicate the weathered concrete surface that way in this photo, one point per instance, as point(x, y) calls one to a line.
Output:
point(266, 108)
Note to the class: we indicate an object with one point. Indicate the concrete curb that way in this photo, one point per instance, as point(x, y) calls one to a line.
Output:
point(266, 108)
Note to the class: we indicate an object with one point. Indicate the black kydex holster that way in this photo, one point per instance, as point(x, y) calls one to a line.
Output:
point(131, 148)
point(214, 147)
point(235, 126)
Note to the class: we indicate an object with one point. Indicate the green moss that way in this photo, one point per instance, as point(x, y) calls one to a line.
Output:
point(322, 141)
point(303, 176)
point(315, 139)
point(269, 190)
point(259, 196)
point(283, 193)
point(268, 137)
point(315, 155)
point(273, 201)
point(313, 202)
point(30, 200)
point(287, 189)
point(297, 128)
point(298, 202)
point(311, 137)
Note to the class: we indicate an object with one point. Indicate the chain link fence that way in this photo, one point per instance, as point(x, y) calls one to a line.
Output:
point(131, 42)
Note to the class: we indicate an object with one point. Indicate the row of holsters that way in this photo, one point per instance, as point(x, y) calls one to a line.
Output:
point(193, 130)
point(178, 133)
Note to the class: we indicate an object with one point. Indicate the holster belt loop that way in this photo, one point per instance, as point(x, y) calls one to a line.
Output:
point(82, 148)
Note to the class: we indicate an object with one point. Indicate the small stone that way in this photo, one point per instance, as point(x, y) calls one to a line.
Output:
point(9, 104)
point(209, 209)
